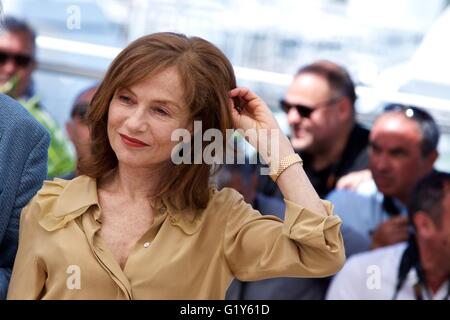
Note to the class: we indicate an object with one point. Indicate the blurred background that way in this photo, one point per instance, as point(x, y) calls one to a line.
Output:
point(396, 51)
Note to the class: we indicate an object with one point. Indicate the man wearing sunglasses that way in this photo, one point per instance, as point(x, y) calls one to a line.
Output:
point(17, 63)
point(16, 60)
point(319, 106)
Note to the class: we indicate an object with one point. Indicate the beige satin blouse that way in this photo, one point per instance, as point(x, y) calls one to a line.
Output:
point(61, 255)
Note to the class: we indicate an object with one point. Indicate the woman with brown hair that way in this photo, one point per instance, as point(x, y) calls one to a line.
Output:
point(137, 226)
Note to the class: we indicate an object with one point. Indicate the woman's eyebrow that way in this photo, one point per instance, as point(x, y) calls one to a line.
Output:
point(127, 89)
point(168, 102)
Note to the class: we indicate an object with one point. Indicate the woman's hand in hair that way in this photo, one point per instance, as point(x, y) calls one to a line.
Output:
point(252, 115)
point(252, 112)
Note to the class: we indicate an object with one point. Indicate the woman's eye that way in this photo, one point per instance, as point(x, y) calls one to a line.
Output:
point(160, 111)
point(125, 99)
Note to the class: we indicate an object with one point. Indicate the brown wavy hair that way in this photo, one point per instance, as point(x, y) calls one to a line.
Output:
point(207, 76)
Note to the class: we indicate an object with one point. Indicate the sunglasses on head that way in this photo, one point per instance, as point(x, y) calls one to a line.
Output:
point(304, 110)
point(409, 111)
point(20, 60)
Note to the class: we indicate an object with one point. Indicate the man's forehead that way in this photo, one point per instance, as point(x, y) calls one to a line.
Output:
point(395, 123)
point(86, 96)
point(309, 80)
point(18, 40)
point(308, 86)
point(395, 138)
point(393, 145)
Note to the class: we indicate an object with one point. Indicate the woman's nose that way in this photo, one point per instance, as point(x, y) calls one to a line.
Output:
point(136, 121)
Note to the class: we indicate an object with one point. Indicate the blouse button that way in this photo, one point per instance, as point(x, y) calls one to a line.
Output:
point(147, 244)
point(162, 209)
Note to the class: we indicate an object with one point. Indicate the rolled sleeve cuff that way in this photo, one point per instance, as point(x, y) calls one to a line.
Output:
point(312, 229)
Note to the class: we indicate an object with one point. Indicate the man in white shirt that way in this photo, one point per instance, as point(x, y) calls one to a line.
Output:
point(418, 269)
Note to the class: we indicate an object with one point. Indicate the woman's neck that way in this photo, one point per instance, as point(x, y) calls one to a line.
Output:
point(133, 183)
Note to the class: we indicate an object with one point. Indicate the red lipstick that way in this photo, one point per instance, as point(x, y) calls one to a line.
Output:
point(132, 142)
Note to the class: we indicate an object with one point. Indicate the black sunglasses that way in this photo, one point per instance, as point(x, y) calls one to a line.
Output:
point(303, 110)
point(80, 110)
point(20, 60)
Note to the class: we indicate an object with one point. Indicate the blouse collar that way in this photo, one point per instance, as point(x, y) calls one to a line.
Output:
point(61, 201)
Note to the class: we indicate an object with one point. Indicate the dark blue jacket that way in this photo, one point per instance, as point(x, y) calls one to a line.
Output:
point(23, 168)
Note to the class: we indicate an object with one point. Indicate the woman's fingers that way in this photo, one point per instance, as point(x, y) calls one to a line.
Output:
point(250, 99)
point(244, 93)
point(235, 112)
point(252, 113)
